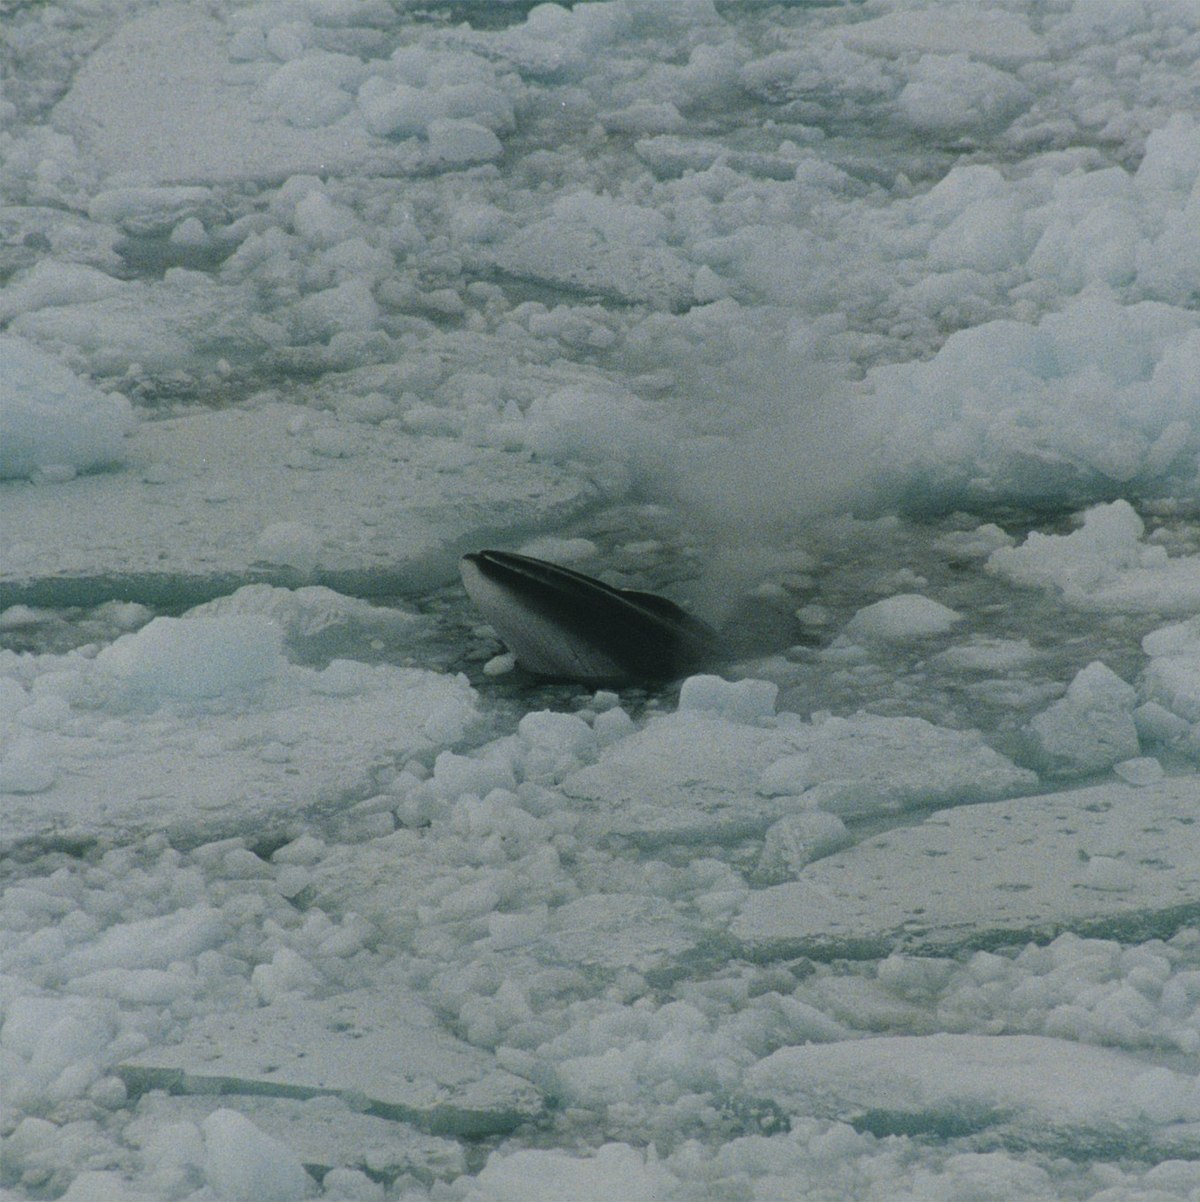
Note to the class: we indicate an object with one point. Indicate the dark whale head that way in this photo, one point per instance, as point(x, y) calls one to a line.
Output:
point(568, 626)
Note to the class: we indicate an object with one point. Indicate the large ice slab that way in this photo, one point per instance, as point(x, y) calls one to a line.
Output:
point(382, 1045)
point(1112, 859)
point(276, 494)
point(686, 776)
point(1023, 1090)
point(998, 37)
point(205, 732)
point(164, 100)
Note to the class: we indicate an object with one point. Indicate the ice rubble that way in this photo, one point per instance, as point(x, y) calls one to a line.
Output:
point(291, 192)
point(1105, 564)
point(489, 874)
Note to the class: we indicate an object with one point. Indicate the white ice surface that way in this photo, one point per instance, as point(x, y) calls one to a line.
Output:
point(1105, 564)
point(195, 726)
point(275, 494)
point(324, 1132)
point(690, 776)
point(1109, 857)
point(1171, 683)
point(305, 298)
point(204, 113)
point(53, 424)
point(905, 616)
point(1034, 1090)
point(383, 1045)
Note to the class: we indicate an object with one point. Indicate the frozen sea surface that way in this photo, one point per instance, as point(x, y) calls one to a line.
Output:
point(869, 333)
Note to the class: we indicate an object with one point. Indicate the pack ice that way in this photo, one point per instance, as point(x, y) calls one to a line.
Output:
point(867, 333)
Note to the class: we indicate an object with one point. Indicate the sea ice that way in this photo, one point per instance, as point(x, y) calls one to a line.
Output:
point(1092, 727)
point(593, 245)
point(240, 1161)
point(1106, 564)
point(53, 423)
point(977, 876)
point(304, 298)
point(1171, 685)
point(698, 774)
point(383, 1046)
point(1023, 1090)
point(1030, 419)
point(1003, 37)
point(905, 616)
point(615, 1173)
point(191, 725)
point(201, 115)
point(246, 494)
point(325, 1132)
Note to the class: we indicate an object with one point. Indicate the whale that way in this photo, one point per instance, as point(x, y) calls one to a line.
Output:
point(563, 625)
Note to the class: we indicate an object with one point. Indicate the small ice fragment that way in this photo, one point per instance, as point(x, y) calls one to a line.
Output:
point(306, 850)
point(498, 665)
point(25, 769)
point(240, 1161)
point(611, 725)
point(455, 143)
point(51, 420)
point(798, 839)
point(789, 774)
point(814, 615)
point(48, 712)
point(1157, 724)
point(905, 616)
point(738, 701)
point(293, 880)
point(16, 617)
point(1143, 770)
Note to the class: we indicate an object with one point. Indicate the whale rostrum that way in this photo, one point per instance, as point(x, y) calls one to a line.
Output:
point(562, 624)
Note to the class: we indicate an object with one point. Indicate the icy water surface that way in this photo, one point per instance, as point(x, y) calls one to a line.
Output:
point(866, 332)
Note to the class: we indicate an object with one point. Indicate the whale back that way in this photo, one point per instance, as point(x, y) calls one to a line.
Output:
point(560, 623)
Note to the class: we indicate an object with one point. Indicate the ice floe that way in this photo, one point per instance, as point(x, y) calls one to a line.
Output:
point(1109, 858)
point(867, 333)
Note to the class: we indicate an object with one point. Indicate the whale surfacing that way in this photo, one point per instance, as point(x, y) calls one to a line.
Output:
point(568, 626)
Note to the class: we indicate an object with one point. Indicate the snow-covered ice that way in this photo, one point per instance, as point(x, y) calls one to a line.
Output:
point(54, 424)
point(272, 493)
point(384, 1047)
point(1106, 858)
point(868, 333)
point(965, 1082)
